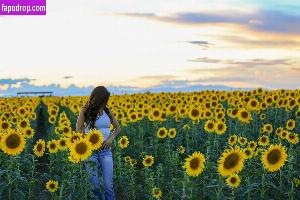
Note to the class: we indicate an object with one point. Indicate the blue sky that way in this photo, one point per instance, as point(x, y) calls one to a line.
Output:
point(137, 45)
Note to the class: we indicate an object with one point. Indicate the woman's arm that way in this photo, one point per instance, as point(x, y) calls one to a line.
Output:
point(114, 133)
point(80, 122)
point(115, 124)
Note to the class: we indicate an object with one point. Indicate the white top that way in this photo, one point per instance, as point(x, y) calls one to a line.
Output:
point(102, 124)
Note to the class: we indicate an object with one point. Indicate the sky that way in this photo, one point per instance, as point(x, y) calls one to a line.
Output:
point(141, 44)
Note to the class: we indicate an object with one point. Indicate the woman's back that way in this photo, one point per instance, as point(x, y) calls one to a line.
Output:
point(102, 123)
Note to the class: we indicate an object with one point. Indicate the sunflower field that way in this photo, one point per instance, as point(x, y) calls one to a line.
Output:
point(183, 145)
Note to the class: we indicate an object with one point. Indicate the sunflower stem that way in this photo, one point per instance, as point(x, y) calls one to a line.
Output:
point(9, 178)
point(262, 185)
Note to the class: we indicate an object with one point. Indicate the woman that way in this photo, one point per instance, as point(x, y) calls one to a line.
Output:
point(95, 114)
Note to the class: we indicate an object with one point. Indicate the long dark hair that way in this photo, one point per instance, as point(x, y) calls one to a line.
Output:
point(98, 99)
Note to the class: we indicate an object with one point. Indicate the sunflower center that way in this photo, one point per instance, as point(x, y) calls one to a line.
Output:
point(233, 180)
point(231, 161)
point(39, 147)
point(161, 132)
point(52, 146)
point(247, 152)
point(4, 125)
point(195, 112)
point(62, 143)
point(263, 139)
point(13, 141)
point(274, 156)
point(220, 126)
point(28, 132)
point(66, 130)
point(52, 186)
point(244, 114)
point(23, 124)
point(210, 125)
point(194, 163)
point(148, 160)
point(123, 141)
point(172, 108)
point(81, 148)
point(94, 138)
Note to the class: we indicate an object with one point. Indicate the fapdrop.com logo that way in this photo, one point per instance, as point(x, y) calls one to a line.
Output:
point(22, 7)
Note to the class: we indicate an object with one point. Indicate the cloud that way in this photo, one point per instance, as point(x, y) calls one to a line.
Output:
point(203, 44)
point(68, 77)
point(260, 43)
point(260, 62)
point(246, 63)
point(205, 60)
point(155, 77)
point(260, 20)
point(10, 81)
point(268, 76)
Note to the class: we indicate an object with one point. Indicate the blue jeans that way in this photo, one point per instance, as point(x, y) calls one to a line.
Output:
point(104, 157)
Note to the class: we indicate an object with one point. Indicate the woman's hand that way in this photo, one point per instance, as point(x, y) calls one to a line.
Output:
point(108, 142)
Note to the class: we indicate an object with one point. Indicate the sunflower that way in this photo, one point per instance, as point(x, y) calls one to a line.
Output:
point(252, 145)
point(52, 119)
point(242, 140)
point(248, 153)
point(231, 161)
point(262, 116)
point(194, 164)
point(39, 148)
point(263, 140)
point(233, 180)
point(156, 193)
point(67, 130)
point(74, 136)
point(28, 132)
point(23, 124)
point(162, 132)
point(123, 142)
point(278, 131)
point(293, 138)
point(13, 142)
point(73, 160)
point(172, 132)
point(62, 143)
point(244, 115)
point(95, 136)
point(274, 157)
point(52, 185)
point(253, 104)
point(4, 125)
point(81, 149)
point(220, 127)
point(209, 126)
point(267, 128)
point(132, 162)
point(127, 158)
point(194, 114)
point(181, 149)
point(148, 161)
point(232, 140)
point(284, 134)
point(186, 126)
point(155, 114)
point(290, 124)
point(52, 146)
